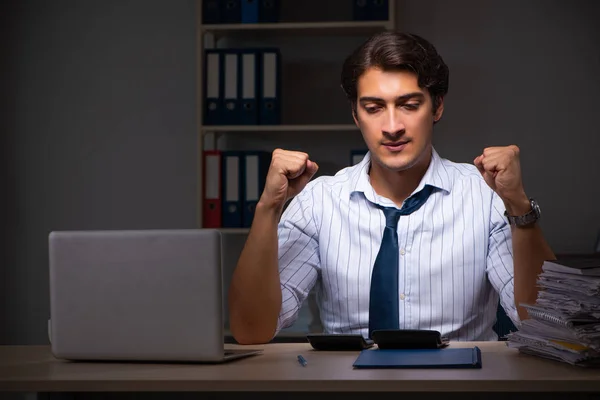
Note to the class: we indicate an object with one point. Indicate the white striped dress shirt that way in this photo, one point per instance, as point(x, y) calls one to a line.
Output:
point(455, 253)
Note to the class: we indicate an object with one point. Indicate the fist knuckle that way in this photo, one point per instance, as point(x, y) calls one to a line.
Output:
point(276, 155)
point(275, 160)
point(303, 156)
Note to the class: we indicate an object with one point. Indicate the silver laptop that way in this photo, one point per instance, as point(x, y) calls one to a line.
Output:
point(148, 295)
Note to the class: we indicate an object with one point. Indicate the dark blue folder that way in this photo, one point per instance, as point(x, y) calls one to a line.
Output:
point(211, 12)
point(250, 11)
point(420, 358)
point(231, 11)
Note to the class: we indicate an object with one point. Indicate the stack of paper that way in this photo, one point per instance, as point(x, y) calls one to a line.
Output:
point(564, 322)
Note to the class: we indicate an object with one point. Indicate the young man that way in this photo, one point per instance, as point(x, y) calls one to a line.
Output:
point(403, 240)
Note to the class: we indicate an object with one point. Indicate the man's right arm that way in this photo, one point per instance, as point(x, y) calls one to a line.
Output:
point(255, 290)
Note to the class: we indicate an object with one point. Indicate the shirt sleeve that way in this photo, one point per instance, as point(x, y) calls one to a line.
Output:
point(500, 267)
point(299, 260)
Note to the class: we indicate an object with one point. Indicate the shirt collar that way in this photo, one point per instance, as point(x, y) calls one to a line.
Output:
point(361, 182)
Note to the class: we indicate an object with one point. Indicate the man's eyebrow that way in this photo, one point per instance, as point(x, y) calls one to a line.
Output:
point(404, 97)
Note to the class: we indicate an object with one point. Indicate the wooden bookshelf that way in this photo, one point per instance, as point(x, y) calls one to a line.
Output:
point(235, 231)
point(278, 128)
point(303, 28)
point(208, 36)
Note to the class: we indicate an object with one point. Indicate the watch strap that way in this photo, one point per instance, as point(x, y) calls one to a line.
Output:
point(527, 219)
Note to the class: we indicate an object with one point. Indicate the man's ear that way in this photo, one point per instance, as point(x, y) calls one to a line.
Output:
point(440, 110)
point(354, 117)
point(354, 114)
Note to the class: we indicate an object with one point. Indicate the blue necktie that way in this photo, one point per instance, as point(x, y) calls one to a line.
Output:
point(383, 302)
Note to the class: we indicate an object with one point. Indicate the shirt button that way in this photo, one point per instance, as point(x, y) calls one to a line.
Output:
point(402, 296)
point(402, 252)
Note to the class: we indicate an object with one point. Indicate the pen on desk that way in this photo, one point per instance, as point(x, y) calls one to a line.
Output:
point(302, 361)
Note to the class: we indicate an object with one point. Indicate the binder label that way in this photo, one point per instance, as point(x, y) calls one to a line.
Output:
point(232, 187)
point(248, 79)
point(231, 79)
point(212, 171)
point(252, 178)
point(270, 75)
point(212, 81)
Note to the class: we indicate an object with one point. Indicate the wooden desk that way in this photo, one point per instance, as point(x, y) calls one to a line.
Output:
point(34, 369)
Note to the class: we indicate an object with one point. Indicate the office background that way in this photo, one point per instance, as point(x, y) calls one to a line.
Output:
point(99, 119)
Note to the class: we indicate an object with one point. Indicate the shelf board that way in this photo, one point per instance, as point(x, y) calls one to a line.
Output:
point(278, 128)
point(328, 27)
point(241, 231)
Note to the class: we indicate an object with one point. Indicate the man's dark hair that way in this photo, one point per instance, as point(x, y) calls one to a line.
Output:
point(397, 51)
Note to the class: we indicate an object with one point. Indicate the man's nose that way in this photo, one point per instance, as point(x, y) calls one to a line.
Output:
point(392, 124)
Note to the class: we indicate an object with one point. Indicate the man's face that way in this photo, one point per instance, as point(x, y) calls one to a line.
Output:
point(395, 117)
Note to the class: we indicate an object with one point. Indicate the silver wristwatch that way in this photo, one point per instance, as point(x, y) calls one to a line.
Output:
point(527, 219)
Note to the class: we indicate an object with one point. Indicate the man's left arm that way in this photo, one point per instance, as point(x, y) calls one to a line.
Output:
point(501, 169)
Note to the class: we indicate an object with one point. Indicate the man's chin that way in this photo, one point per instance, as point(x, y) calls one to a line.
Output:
point(396, 164)
point(397, 167)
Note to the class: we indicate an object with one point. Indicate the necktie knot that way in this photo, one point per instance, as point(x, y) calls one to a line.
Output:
point(391, 217)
